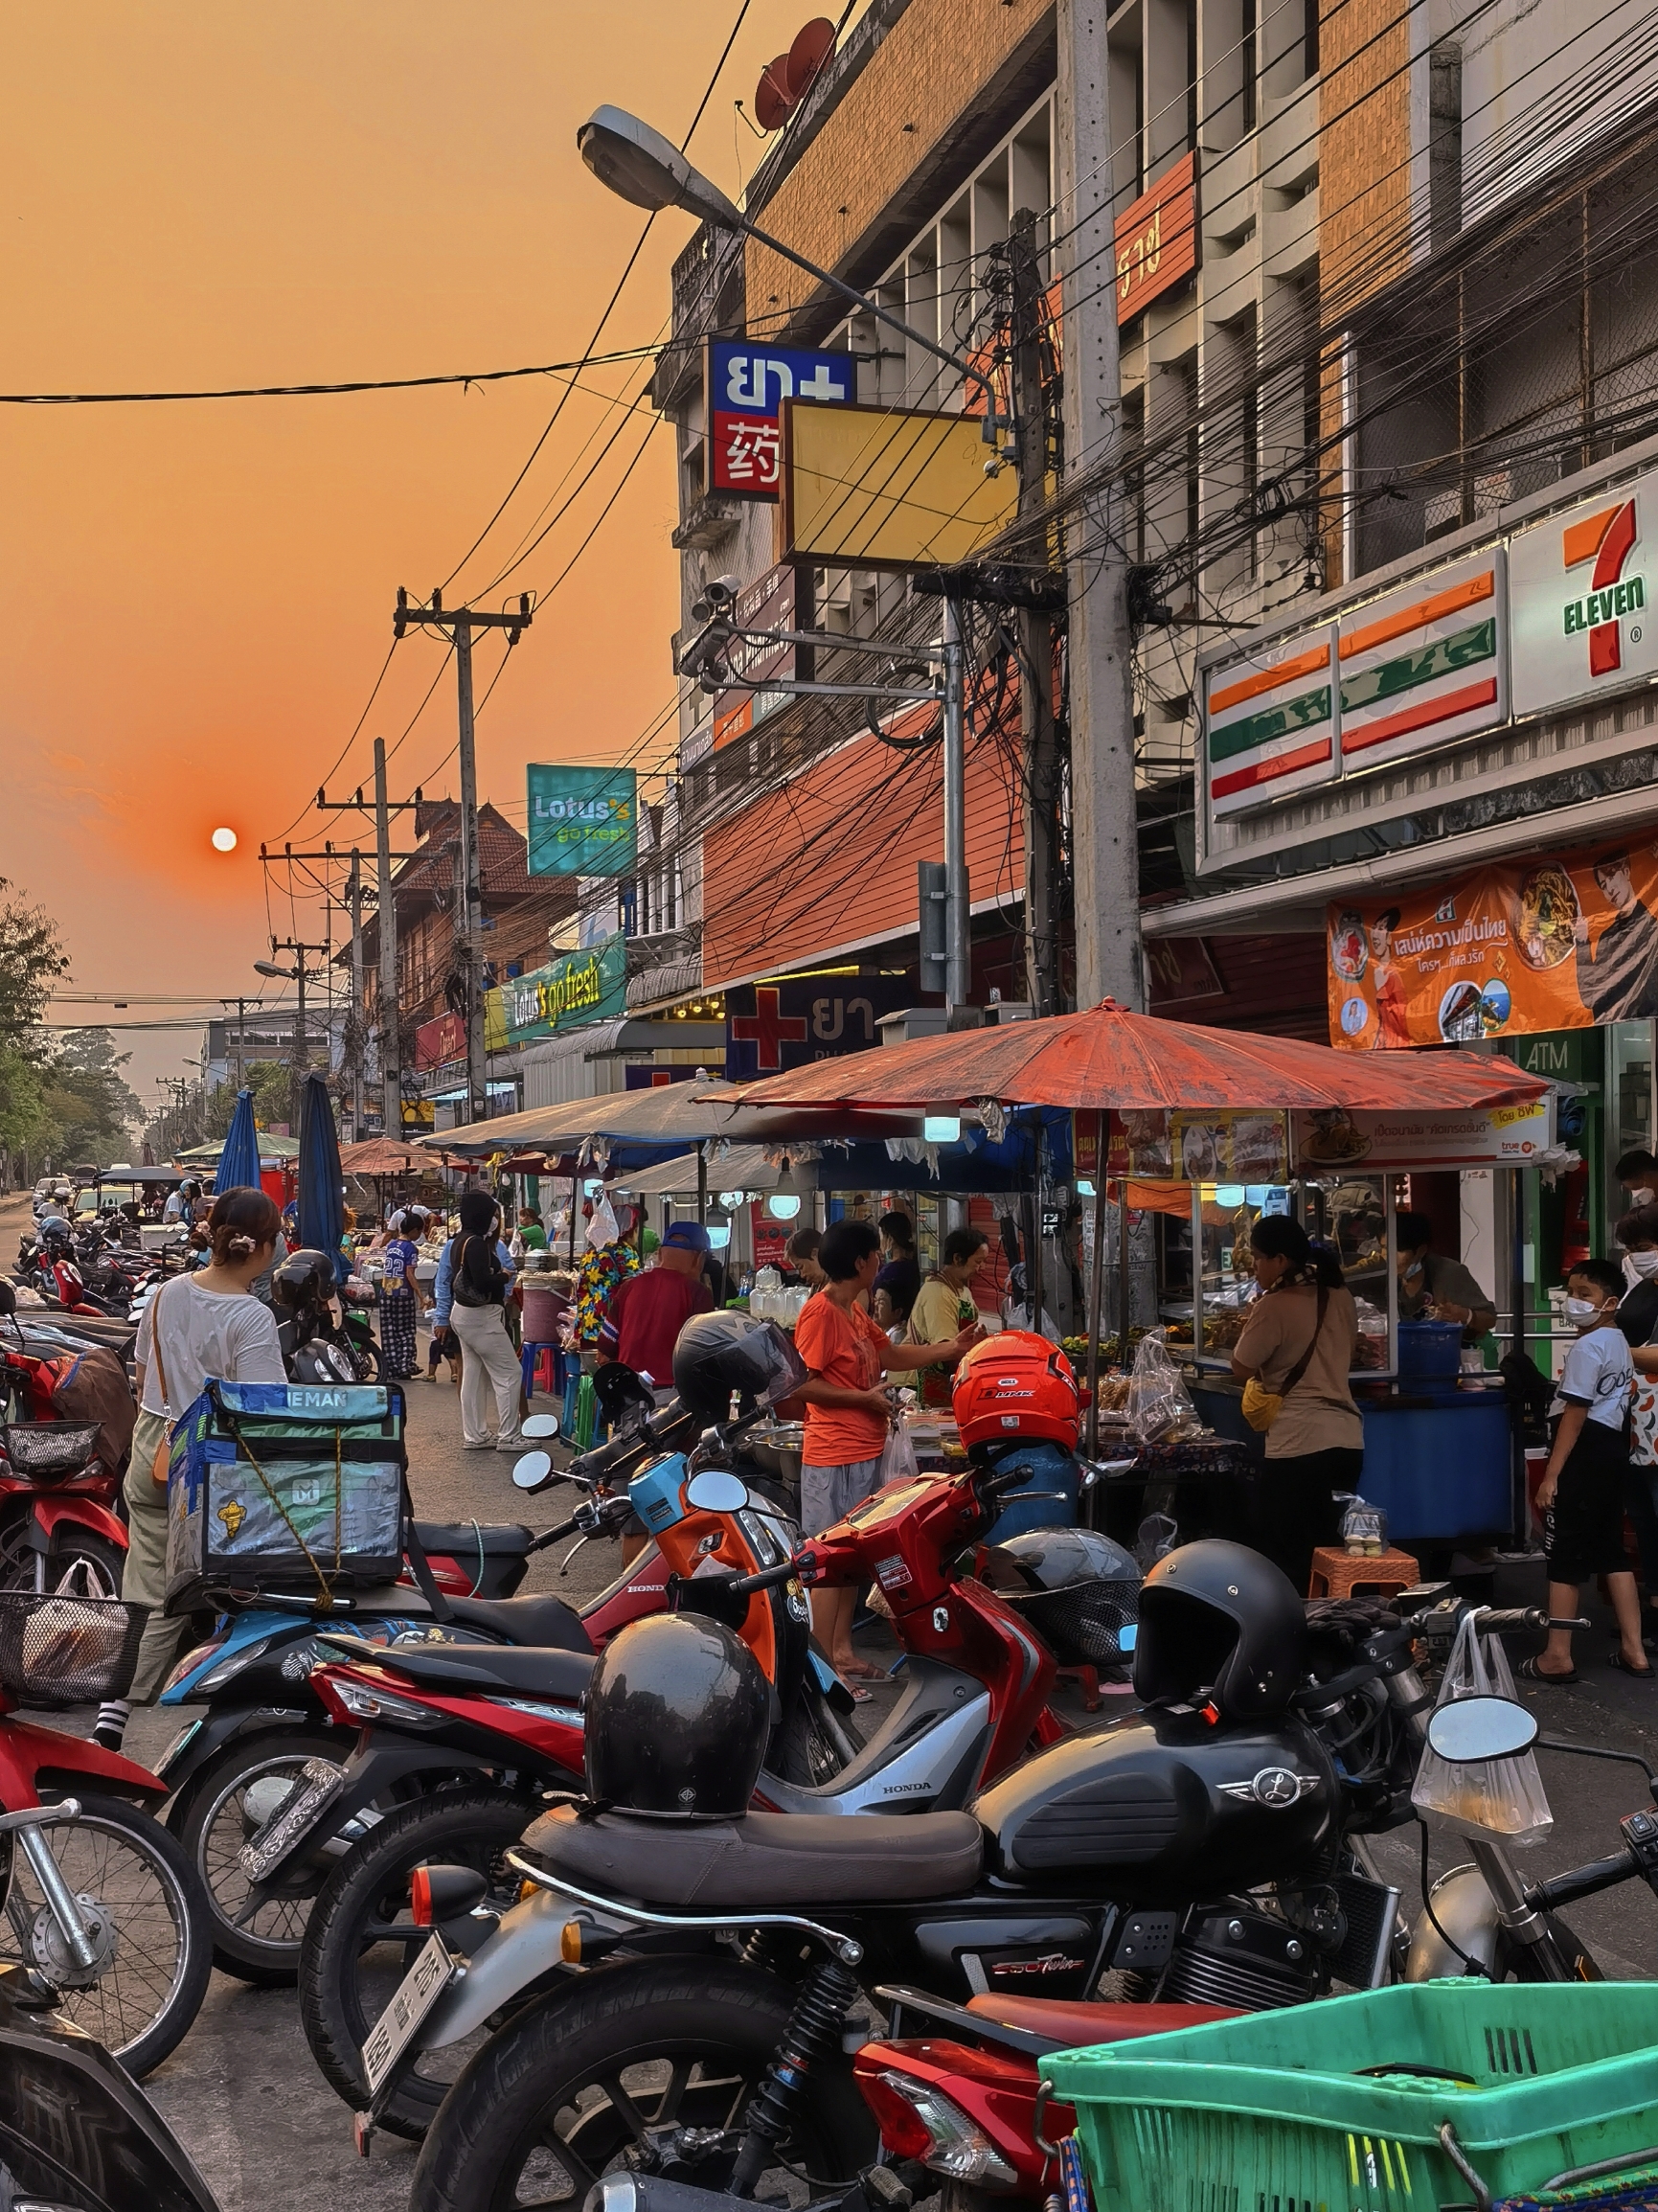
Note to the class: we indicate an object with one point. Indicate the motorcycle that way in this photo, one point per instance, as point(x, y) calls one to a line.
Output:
point(99, 1898)
point(1142, 1849)
point(57, 1529)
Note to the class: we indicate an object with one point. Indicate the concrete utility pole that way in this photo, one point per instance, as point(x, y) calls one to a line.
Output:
point(299, 1055)
point(460, 625)
point(355, 901)
point(1104, 838)
point(1039, 743)
point(382, 810)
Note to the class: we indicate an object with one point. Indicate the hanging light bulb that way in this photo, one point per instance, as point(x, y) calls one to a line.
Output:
point(784, 1204)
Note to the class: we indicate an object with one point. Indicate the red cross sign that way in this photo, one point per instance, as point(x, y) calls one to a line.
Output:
point(768, 1030)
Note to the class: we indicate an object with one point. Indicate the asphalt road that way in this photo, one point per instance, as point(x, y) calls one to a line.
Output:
point(269, 2135)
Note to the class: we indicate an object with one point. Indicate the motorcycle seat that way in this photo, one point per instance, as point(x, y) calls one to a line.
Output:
point(1065, 2023)
point(477, 1668)
point(458, 1539)
point(544, 1620)
point(767, 1860)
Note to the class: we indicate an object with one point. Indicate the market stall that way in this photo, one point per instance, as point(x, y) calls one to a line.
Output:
point(1211, 1126)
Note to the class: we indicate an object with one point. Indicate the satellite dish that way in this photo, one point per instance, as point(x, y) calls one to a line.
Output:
point(813, 44)
point(771, 101)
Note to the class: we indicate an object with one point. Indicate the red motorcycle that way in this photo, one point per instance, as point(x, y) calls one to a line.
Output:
point(100, 1900)
point(58, 1531)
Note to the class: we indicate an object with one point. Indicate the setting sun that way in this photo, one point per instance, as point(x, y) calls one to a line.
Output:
point(224, 840)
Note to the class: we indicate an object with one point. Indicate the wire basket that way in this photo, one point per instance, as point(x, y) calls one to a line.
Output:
point(1082, 1622)
point(56, 1651)
point(45, 1447)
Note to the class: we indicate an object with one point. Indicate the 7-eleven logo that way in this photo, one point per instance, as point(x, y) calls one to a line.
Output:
point(1607, 539)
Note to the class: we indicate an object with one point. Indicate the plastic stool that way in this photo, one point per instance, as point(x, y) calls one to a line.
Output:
point(530, 1360)
point(1337, 1574)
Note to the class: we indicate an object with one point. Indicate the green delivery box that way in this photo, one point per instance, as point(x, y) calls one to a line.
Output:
point(297, 1486)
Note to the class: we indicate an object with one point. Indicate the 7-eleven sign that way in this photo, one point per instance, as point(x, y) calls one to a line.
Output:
point(1581, 623)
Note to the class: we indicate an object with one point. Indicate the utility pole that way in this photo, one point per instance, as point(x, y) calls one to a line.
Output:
point(1039, 745)
point(299, 1055)
point(460, 624)
point(382, 810)
point(1105, 835)
point(354, 901)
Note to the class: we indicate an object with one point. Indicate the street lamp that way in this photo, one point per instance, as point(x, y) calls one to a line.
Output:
point(641, 166)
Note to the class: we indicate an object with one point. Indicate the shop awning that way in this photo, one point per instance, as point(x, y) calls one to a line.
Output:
point(653, 1124)
point(384, 1156)
point(1109, 1060)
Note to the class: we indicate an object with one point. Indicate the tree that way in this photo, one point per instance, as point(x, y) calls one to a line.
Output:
point(31, 959)
point(85, 1097)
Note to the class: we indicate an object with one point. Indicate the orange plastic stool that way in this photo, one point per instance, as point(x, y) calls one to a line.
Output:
point(1337, 1574)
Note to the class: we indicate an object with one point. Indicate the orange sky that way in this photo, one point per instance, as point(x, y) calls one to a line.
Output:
point(198, 596)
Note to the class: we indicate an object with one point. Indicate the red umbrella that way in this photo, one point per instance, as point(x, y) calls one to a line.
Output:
point(1109, 1058)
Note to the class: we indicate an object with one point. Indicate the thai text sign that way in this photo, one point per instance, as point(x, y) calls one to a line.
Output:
point(1518, 947)
point(1479, 1137)
point(745, 382)
point(581, 987)
point(440, 1041)
point(582, 821)
point(1157, 240)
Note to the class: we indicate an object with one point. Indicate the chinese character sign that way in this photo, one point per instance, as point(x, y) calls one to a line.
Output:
point(1546, 944)
point(582, 821)
point(745, 384)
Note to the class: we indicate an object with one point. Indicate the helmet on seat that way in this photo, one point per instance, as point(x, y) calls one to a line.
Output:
point(304, 1277)
point(677, 1716)
point(1016, 1384)
point(1077, 1589)
point(1220, 1624)
point(718, 1353)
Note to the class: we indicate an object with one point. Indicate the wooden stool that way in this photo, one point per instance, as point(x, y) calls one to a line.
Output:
point(1337, 1574)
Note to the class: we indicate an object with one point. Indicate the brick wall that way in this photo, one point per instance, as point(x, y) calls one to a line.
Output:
point(942, 66)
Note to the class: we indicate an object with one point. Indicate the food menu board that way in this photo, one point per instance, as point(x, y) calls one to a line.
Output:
point(1494, 1136)
point(1236, 1147)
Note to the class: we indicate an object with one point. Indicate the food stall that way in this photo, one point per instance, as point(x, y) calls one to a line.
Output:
point(1219, 1127)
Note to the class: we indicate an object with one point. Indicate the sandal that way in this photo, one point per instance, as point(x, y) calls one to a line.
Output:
point(1529, 1670)
point(1640, 1674)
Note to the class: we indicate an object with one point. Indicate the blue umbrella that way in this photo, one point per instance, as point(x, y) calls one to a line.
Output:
point(322, 1198)
point(238, 1163)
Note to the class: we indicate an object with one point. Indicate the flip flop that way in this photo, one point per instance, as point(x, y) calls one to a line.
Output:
point(1640, 1674)
point(1529, 1670)
point(864, 1670)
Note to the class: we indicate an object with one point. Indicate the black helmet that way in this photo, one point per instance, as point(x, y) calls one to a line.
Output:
point(1080, 1591)
point(718, 1353)
point(1220, 1624)
point(304, 1276)
point(55, 1230)
point(677, 1716)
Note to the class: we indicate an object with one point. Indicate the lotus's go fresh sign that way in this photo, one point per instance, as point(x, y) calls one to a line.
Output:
point(582, 821)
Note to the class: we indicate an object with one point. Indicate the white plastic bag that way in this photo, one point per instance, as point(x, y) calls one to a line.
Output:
point(1502, 1797)
point(1158, 1398)
point(899, 1459)
point(601, 1229)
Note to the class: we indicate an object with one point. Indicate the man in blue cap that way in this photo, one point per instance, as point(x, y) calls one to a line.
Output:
point(645, 1314)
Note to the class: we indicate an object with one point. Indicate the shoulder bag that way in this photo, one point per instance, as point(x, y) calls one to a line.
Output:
point(462, 1288)
point(1262, 1407)
point(158, 1465)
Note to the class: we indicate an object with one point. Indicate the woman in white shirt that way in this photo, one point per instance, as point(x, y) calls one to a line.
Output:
point(197, 1326)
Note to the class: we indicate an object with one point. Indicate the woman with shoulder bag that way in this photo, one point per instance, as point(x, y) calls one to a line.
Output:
point(1294, 1355)
point(474, 1277)
point(1637, 1234)
point(197, 1326)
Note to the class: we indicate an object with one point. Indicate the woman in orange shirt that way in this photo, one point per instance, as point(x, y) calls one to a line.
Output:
point(846, 1411)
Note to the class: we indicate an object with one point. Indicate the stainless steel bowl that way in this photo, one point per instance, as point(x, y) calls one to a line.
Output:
point(779, 1449)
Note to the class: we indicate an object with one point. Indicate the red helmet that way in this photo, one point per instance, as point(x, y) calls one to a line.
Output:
point(1016, 1384)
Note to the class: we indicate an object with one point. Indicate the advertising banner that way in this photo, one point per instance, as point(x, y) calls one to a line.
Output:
point(582, 821)
point(1269, 721)
point(1504, 950)
point(1581, 584)
point(1423, 664)
point(439, 1042)
point(590, 986)
point(802, 1018)
point(1237, 1146)
point(745, 384)
point(1485, 1138)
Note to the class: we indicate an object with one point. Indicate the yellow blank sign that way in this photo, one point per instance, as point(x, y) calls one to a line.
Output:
point(877, 487)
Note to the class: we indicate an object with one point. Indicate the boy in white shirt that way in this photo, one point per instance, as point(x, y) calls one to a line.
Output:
point(1581, 1494)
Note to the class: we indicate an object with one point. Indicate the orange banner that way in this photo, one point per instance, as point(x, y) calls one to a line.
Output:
point(1520, 947)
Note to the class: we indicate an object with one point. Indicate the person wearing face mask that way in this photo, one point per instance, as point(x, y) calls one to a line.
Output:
point(1434, 1287)
point(1637, 1236)
point(1582, 1495)
point(1638, 1173)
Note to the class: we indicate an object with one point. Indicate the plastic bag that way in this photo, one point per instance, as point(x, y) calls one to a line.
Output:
point(1158, 1400)
point(1364, 1527)
point(1502, 1797)
point(1158, 1535)
point(603, 1229)
point(899, 1459)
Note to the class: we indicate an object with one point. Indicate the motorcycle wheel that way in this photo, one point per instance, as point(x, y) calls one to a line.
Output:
point(145, 1918)
point(562, 2093)
point(361, 1939)
point(1518, 1961)
point(815, 1744)
point(216, 1821)
point(368, 1361)
point(79, 1565)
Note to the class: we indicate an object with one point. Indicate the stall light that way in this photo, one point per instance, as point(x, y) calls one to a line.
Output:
point(592, 1186)
point(942, 1129)
point(1084, 1188)
point(731, 1200)
point(1229, 1194)
point(718, 1235)
point(782, 1206)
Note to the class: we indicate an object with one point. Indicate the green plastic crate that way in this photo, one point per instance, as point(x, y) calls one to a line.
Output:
point(1282, 2112)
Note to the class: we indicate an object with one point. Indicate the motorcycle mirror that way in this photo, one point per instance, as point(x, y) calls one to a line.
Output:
point(1471, 1728)
point(716, 1490)
point(531, 1470)
point(538, 1426)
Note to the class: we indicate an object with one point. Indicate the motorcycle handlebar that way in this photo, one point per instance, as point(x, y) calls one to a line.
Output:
point(1584, 1882)
point(768, 1578)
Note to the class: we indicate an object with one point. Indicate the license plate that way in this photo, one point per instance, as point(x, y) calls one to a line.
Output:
point(185, 1735)
point(399, 2023)
point(322, 1785)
